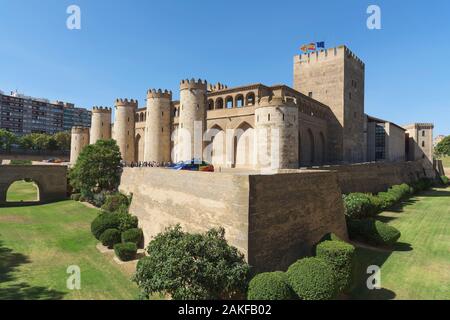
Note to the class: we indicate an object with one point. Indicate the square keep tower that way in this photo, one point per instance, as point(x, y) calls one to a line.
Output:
point(335, 77)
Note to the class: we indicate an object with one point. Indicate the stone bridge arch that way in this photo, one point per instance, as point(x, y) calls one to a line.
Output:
point(51, 180)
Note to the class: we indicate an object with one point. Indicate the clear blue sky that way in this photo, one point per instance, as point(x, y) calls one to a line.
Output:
point(126, 47)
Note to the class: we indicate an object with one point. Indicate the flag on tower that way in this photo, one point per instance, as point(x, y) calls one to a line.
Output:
point(312, 46)
point(304, 48)
point(321, 44)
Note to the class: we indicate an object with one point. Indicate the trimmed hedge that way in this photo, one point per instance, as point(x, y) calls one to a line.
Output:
point(134, 235)
point(125, 251)
point(422, 185)
point(373, 231)
point(340, 256)
point(126, 221)
point(312, 279)
point(361, 205)
point(445, 180)
point(116, 201)
point(270, 286)
point(357, 205)
point(103, 222)
point(75, 196)
point(110, 237)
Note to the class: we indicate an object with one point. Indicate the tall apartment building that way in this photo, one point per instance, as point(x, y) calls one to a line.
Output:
point(23, 115)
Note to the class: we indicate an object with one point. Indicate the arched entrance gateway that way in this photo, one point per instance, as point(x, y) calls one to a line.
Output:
point(50, 180)
point(244, 146)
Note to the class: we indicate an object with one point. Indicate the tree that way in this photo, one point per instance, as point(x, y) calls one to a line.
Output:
point(443, 147)
point(62, 140)
point(192, 266)
point(7, 139)
point(35, 141)
point(97, 168)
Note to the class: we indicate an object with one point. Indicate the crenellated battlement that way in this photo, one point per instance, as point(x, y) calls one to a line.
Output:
point(101, 109)
point(80, 130)
point(126, 103)
point(276, 101)
point(193, 84)
point(159, 93)
point(328, 54)
point(217, 87)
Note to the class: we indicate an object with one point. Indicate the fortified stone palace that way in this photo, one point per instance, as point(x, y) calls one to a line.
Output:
point(321, 120)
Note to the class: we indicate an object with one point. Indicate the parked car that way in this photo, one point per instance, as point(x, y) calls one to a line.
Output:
point(193, 166)
point(53, 160)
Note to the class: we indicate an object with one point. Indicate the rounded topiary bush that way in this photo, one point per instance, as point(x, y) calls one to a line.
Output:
point(373, 231)
point(126, 221)
point(75, 196)
point(125, 251)
point(357, 205)
point(340, 257)
point(134, 235)
point(103, 222)
point(312, 279)
point(270, 286)
point(115, 201)
point(110, 237)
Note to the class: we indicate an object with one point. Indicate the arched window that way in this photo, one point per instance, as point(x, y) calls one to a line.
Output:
point(229, 102)
point(219, 103)
point(142, 117)
point(239, 101)
point(210, 104)
point(250, 99)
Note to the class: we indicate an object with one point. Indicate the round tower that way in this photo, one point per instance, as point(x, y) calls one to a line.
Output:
point(100, 124)
point(192, 119)
point(79, 140)
point(124, 127)
point(277, 133)
point(157, 126)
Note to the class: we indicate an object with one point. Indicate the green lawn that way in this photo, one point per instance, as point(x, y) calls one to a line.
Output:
point(419, 267)
point(38, 243)
point(22, 191)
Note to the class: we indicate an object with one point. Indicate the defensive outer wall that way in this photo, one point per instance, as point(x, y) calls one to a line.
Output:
point(272, 219)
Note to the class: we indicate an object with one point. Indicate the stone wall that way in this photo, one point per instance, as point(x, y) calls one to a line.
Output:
point(273, 219)
point(198, 201)
point(377, 177)
point(289, 213)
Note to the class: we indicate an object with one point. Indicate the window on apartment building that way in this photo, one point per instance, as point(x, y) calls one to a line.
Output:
point(423, 133)
point(423, 143)
point(268, 117)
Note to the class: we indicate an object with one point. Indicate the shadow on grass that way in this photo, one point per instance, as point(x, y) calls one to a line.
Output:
point(10, 261)
point(365, 257)
point(403, 247)
point(399, 207)
point(435, 193)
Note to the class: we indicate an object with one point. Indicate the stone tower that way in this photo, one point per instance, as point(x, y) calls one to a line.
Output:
point(420, 141)
point(100, 124)
point(192, 119)
point(79, 140)
point(124, 127)
point(335, 77)
point(277, 133)
point(158, 126)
